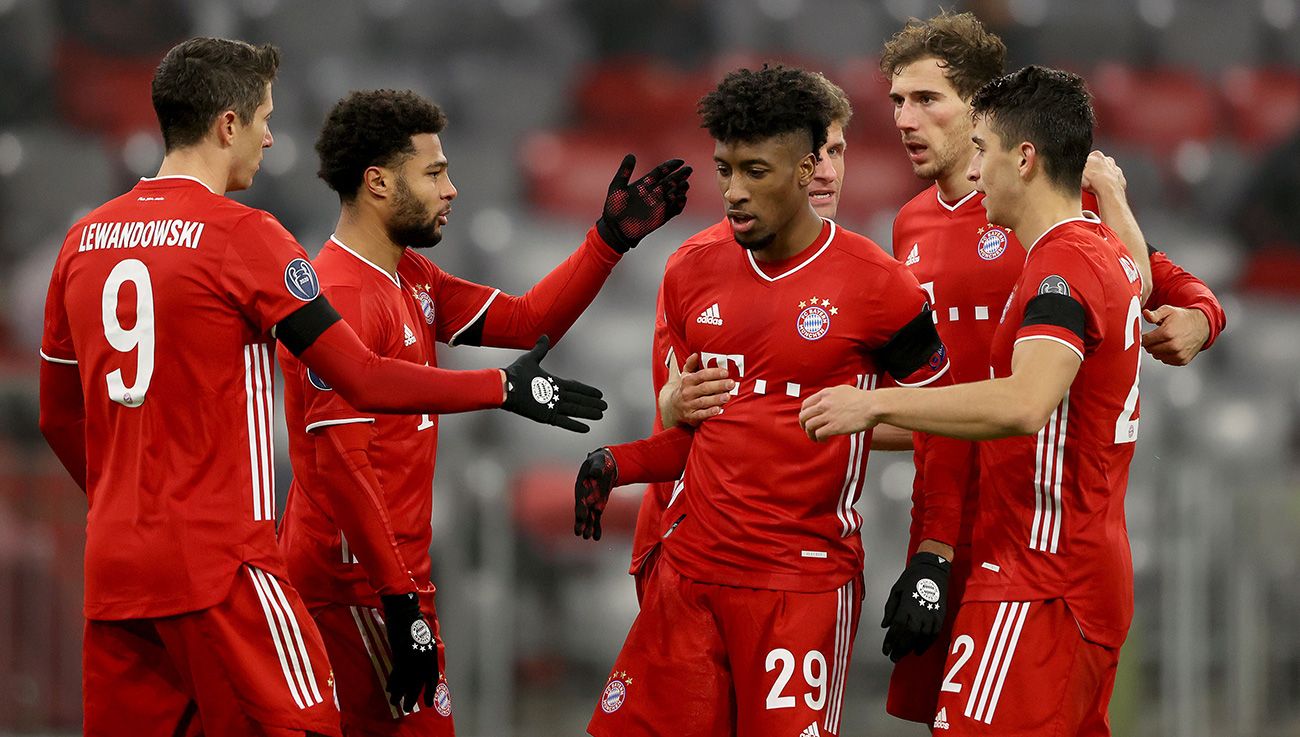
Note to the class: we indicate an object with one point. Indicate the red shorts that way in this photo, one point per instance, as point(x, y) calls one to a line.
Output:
point(914, 682)
point(1024, 668)
point(358, 648)
point(252, 665)
point(723, 660)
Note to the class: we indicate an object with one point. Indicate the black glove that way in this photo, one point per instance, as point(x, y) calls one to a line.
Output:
point(415, 652)
point(597, 476)
point(916, 606)
point(633, 211)
point(539, 396)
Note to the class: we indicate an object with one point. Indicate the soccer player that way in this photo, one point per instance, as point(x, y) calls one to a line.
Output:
point(748, 618)
point(356, 531)
point(691, 393)
point(156, 395)
point(968, 266)
point(1037, 638)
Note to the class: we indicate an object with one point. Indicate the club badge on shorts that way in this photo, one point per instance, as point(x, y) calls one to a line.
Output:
point(442, 698)
point(615, 692)
point(814, 320)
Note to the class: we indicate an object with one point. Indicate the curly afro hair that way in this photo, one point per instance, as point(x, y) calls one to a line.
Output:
point(969, 54)
point(372, 128)
point(750, 106)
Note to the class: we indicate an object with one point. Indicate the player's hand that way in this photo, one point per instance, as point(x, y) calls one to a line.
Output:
point(839, 410)
point(696, 395)
point(633, 211)
point(596, 477)
point(916, 606)
point(542, 397)
point(415, 652)
point(1180, 334)
point(1102, 174)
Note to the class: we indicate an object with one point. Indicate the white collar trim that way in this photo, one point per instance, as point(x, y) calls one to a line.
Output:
point(1084, 219)
point(178, 176)
point(953, 207)
point(830, 237)
point(391, 277)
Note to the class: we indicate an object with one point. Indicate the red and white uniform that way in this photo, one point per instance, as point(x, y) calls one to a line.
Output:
point(380, 488)
point(763, 510)
point(1050, 525)
point(968, 267)
point(165, 298)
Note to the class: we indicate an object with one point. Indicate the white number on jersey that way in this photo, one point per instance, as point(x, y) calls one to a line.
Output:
point(1126, 428)
point(139, 338)
point(814, 674)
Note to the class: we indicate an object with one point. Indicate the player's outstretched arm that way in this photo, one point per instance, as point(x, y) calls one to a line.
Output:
point(631, 212)
point(63, 417)
point(1103, 177)
point(372, 383)
point(1187, 315)
point(658, 458)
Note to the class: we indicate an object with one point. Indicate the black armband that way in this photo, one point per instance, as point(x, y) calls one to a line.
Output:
point(301, 328)
point(471, 334)
point(1056, 309)
point(911, 347)
point(1152, 250)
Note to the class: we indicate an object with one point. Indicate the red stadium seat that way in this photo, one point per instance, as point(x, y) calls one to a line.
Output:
point(1263, 105)
point(868, 92)
point(566, 173)
point(878, 180)
point(542, 508)
point(1159, 109)
point(637, 96)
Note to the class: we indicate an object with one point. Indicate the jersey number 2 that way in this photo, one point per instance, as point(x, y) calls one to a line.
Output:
point(139, 337)
point(1126, 427)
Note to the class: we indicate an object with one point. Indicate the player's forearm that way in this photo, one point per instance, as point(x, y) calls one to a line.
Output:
point(350, 490)
point(1177, 287)
point(946, 468)
point(372, 383)
point(888, 437)
point(553, 304)
point(63, 417)
point(658, 458)
point(1118, 216)
point(978, 411)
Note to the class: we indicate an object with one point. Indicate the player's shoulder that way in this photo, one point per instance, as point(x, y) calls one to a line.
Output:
point(708, 243)
point(417, 267)
point(923, 204)
point(859, 249)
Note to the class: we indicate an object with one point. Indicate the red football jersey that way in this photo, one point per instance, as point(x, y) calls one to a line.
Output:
point(397, 318)
point(1050, 522)
point(763, 506)
point(165, 299)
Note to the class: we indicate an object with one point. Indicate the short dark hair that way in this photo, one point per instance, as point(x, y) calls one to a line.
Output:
point(372, 128)
point(201, 78)
point(970, 55)
point(1049, 108)
point(841, 108)
point(750, 106)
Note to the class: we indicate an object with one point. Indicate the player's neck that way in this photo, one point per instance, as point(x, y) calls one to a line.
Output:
point(953, 186)
point(798, 235)
point(194, 161)
point(1041, 211)
point(369, 238)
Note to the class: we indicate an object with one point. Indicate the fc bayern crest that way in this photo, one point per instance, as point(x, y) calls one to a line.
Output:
point(993, 243)
point(442, 699)
point(614, 696)
point(426, 306)
point(813, 323)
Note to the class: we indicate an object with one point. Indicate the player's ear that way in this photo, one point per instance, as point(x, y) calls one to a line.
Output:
point(806, 169)
point(1029, 160)
point(225, 126)
point(377, 181)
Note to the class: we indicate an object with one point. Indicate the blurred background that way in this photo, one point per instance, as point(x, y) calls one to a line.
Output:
point(1199, 100)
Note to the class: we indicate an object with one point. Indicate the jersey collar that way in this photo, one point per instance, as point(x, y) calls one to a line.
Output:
point(956, 205)
point(762, 275)
point(391, 277)
point(1084, 219)
point(177, 176)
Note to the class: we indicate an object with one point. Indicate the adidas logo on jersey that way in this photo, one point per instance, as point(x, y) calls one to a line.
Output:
point(913, 256)
point(410, 336)
point(711, 316)
point(811, 731)
point(941, 719)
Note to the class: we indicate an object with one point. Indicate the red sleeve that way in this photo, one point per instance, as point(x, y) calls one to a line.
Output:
point(944, 470)
point(372, 383)
point(56, 336)
point(1175, 287)
point(350, 490)
point(549, 308)
point(661, 355)
point(658, 458)
point(266, 272)
point(63, 417)
point(1066, 300)
point(321, 404)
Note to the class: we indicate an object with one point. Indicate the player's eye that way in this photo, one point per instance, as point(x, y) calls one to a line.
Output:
point(723, 170)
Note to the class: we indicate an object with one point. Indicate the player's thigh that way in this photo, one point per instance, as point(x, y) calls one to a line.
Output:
point(789, 656)
point(358, 648)
point(915, 680)
point(1019, 669)
point(256, 660)
point(130, 686)
point(671, 679)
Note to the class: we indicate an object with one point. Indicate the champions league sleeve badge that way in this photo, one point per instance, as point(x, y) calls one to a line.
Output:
point(300, 279)
point(814, 320)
